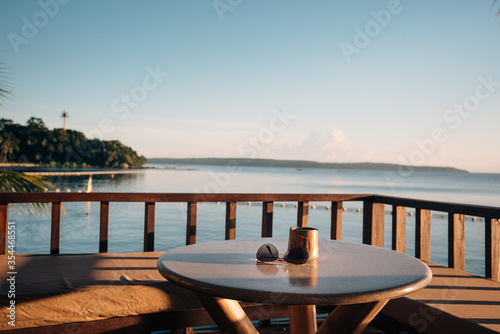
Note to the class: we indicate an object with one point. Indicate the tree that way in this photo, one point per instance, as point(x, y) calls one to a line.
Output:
point(35, 143)
point(16, 181)
point(64, 116)
point(8, 144)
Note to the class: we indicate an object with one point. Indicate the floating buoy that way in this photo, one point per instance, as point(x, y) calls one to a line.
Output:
point(358, 210)
point(249, 203)
point(344, 208)
point(327, 207)
point(313, 207)
point(282, 205)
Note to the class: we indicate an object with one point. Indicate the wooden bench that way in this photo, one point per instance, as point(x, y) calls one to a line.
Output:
point(97, 293)
point(454, 302)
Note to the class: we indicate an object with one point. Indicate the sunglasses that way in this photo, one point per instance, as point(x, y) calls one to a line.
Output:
point(269, 253)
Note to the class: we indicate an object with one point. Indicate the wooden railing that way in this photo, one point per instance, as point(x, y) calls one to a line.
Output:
point(373, 219)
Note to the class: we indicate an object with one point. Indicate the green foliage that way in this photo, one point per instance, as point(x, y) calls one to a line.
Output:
point(18, 182)
point(35, 143)
point(5, 86)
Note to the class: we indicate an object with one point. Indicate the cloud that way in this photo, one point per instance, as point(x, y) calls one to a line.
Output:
point(332, 145)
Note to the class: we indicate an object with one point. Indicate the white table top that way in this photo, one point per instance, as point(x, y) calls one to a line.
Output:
point(344, 273)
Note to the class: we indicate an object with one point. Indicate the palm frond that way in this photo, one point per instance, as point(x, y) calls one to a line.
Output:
point(11, 181)
point(493, 5)
point(5, 87)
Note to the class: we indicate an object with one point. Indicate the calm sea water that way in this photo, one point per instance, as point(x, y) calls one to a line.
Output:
point(80, 223)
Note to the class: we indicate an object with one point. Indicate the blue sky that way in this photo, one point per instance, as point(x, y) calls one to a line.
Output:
point(413, 82)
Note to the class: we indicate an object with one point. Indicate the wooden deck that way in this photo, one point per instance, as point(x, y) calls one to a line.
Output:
point(454, 302)
point(475, 300)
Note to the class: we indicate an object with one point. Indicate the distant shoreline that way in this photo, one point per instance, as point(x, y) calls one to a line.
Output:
point(33, 169)
point(298, 164)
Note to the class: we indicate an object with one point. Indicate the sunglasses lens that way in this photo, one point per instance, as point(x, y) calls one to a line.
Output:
point(297, 256)
point(267, 253)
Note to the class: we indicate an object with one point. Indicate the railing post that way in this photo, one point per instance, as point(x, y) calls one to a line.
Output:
point(423, 234)
point(456, 241)
point(191, 223)
point(399, 228)
point(55, 228)
point(373, 223)
point(230, 220)
point(492, 248)
point(336, 222)
point(149, 227)
point(267, 219)
point(104, 227)
point(303, 214)
point(4, 218)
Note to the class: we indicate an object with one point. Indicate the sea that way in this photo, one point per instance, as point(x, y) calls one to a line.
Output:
point(80, 221)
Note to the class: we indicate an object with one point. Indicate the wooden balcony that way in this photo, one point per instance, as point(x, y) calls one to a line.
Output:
point(402, 315)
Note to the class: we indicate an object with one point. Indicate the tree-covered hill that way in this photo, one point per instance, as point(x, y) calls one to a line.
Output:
point(35, 143)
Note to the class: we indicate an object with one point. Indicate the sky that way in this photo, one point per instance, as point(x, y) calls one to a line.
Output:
point(412, 82)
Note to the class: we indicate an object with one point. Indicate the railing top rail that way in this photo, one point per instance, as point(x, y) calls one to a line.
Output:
point(466, 209)
point(48, 197)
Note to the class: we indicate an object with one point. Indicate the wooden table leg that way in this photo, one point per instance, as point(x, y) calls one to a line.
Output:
point(227, 314)
point(351, 318)
point(302, 319)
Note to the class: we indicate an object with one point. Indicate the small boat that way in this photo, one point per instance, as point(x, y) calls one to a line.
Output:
point(89, 185)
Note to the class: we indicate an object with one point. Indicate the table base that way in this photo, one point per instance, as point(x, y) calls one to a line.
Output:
point(231, 318)
point(227, 314)
point(302, 319)
point(351, 318)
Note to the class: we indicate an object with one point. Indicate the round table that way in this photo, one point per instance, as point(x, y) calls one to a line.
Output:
point(360, 278)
